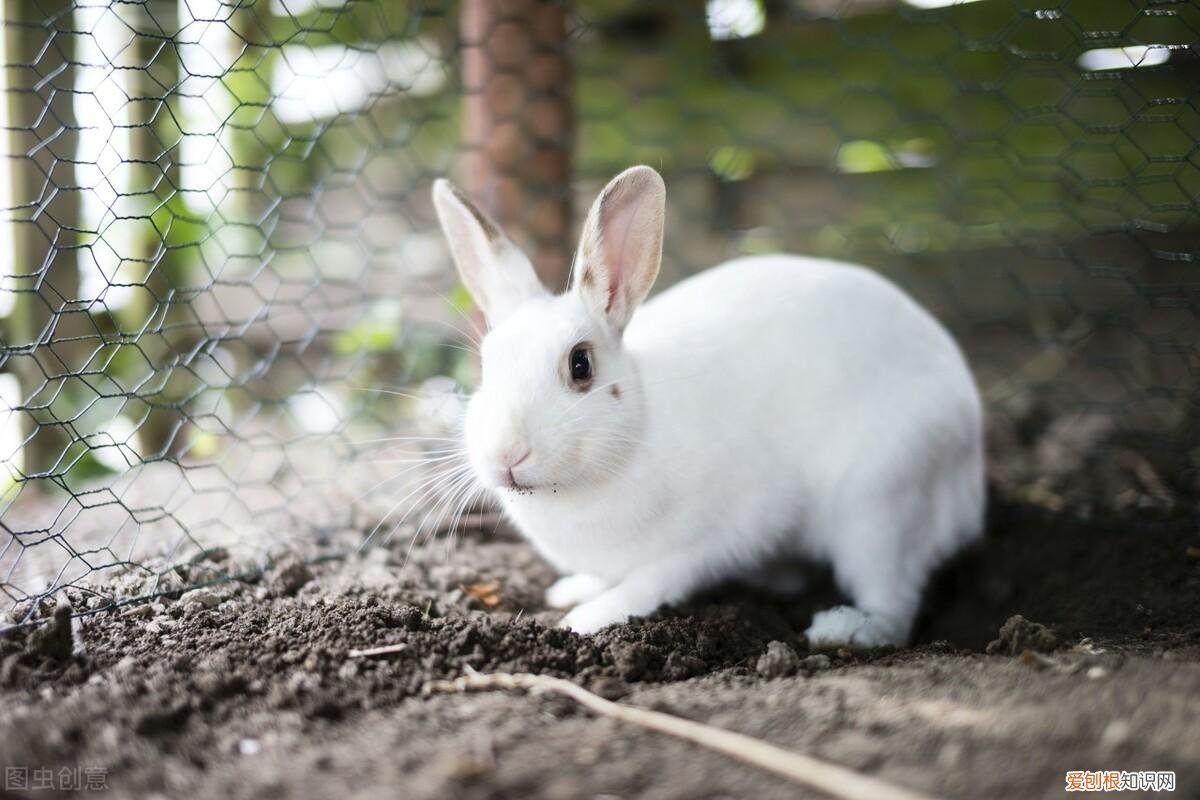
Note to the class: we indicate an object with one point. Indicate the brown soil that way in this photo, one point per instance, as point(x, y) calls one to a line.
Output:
point(250, 690)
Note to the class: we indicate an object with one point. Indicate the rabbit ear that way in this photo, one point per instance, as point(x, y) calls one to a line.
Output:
point(496, 273)
point(621, 248)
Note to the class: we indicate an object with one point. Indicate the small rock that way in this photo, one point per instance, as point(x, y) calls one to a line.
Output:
point(249, 747)
point(1018, 634)
point(777, 661)
point(54, 640)
point(289, 576)
point(205, 598)
point(610, 688)
point(21, 612)
point(680, 666)
point(11, 671)
point(169, 582)
point(631, 660)
point(214, 554)
point(1115, 734)
point(817, 662)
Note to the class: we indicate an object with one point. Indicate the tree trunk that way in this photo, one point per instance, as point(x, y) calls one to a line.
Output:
point(154, 74)
point(49, 334)
point(519, 124)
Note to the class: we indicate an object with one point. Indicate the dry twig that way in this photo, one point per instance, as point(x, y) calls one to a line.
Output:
point(832, 779)
point(385, 650)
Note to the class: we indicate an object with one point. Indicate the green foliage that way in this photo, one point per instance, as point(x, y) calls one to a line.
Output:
point(860, 156)
point(366, 337)
point(732, 163)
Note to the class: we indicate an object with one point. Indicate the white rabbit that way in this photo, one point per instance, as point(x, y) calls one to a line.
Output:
point(771, 408)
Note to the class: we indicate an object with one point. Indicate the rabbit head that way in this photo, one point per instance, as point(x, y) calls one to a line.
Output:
point(559, 404)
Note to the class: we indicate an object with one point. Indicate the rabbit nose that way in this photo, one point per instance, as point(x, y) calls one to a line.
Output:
point(515, 456)
point(510, 460)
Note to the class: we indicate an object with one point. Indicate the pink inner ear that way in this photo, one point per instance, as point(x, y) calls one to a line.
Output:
point(615, 228)
point(612, 291)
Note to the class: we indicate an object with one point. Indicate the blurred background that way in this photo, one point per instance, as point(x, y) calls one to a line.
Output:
point(223, 280)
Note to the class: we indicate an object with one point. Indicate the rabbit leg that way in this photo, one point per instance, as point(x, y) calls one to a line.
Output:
point(883, 580)
point(851, 626)
point(639, 593)
point(571, 590)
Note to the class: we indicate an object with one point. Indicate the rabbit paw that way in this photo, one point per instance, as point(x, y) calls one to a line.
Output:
point(593, 615)
point(847, 625)
point(572, 590)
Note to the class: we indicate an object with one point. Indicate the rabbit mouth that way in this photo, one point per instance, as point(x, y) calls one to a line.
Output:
point(517, 488)
point(510, 481)
point(507, 472)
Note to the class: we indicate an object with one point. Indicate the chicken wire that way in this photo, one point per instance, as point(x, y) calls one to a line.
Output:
point(219, 246)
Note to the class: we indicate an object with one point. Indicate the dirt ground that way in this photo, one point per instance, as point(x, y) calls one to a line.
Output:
point(248, 689)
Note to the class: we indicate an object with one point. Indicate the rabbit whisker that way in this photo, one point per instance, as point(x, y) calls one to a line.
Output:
point(419, 488)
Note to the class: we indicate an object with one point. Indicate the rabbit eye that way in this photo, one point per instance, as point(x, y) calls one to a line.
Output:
point(580, 363)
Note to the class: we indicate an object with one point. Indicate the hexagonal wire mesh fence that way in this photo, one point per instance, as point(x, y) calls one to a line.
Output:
point(223, 274)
